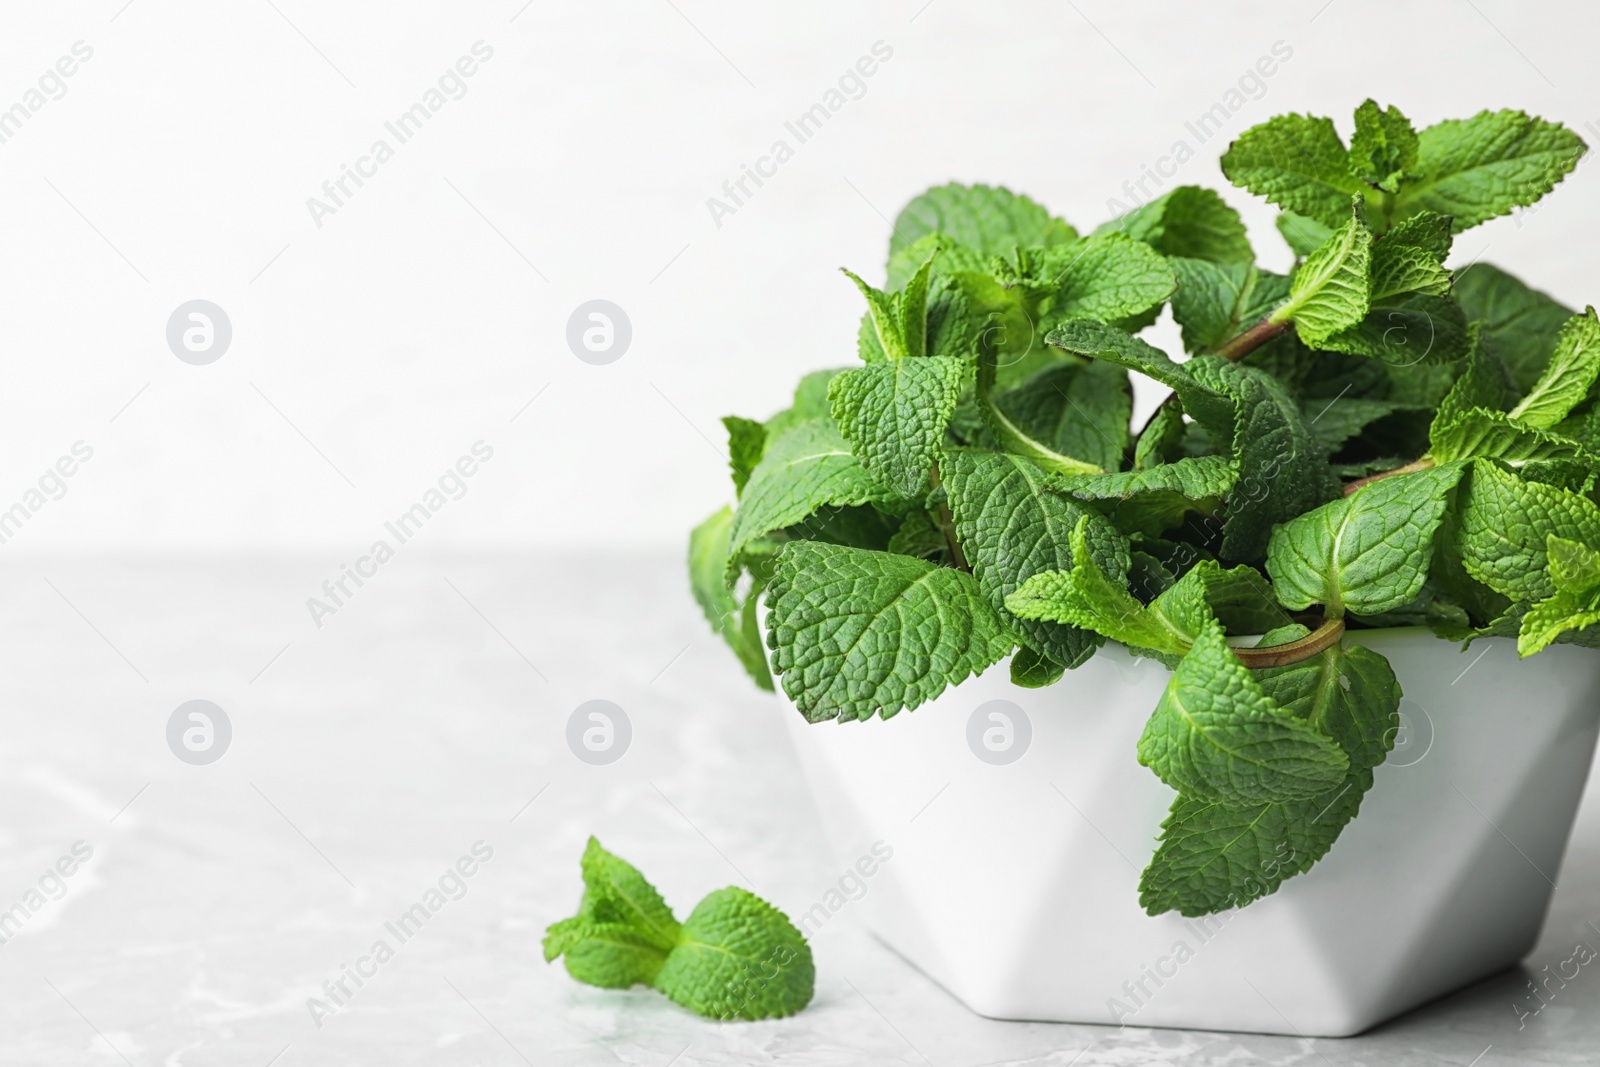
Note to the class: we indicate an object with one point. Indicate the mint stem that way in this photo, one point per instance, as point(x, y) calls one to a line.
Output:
point(1410, 468)
point(1314, 643)
point(1252, 339)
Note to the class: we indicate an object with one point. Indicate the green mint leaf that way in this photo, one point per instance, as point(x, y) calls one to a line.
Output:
point(894, 416)
point(1335, 422)
point(1158, 498)
point(1566, 380)
point(918, 535)
point(1283, 468)
point(747, 439)
point(1520, 324)
point(1215, 735)
point(1076, 409)
point(809, 467)
point(1561, 614)
point(1162, 437)
point(856, 633)
point(953, 258)
point(708, 567)
point(1383, 148)
point(810, 402)
point(1303, 234)
point(1575, 572)
point(1481, 434)
point(1034, 670)
point(736, 957)
point(1476, 169)
point(1012, 526)
point(1212, 409)
point(1211, 300)
point(1404, 331)
point(608, 955)
point(1086, 596)
point(990, 220)
point(1332, 289)
point(1214, 857)
point(1298, 163)
point(1574, 566)
point(1190, 221)
point(615, 892)
point(1505, 528)
point(1368, 552)
point(739, 958)
point(1482, 384)
point(1410, 258)
point(1108, 278)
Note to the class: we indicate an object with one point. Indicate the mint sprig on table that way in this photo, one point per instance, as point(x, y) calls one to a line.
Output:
point(734, 957)
point(1369, 440)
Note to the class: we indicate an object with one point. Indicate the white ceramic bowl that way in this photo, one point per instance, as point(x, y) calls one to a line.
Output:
point(1015, 886)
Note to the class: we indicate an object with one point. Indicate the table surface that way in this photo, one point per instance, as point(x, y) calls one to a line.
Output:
point(428, 715)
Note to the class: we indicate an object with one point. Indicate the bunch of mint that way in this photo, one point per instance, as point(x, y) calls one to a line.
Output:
point(1371, 440)
point(734, 957)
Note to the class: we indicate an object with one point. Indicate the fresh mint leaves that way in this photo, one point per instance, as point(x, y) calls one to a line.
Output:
point(1368, 440)
point(734, 957)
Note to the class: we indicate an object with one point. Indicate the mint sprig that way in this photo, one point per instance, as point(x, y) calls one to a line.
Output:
point(1369, 440)
point(734, 957)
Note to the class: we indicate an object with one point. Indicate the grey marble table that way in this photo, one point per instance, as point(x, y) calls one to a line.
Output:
point(424, 718)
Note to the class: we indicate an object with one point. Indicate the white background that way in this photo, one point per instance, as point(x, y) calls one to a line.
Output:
point(427, 311)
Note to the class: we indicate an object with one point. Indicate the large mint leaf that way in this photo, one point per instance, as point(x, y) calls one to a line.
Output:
point(894, 415)
point(708, 567)
point(990, 220)
point(1476, 169)
point(1298, 163)
point(1077, 409)
point(1191, 221)
point(738, 958)
point(1012, 526)
point(1520, 324)
point(1566, 380)
point(1216, 735)
point(1332, 290)
point(809, 467)
point(1505, 527)
point(856, 633)
point(1368, 552)
point(1214, 857)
